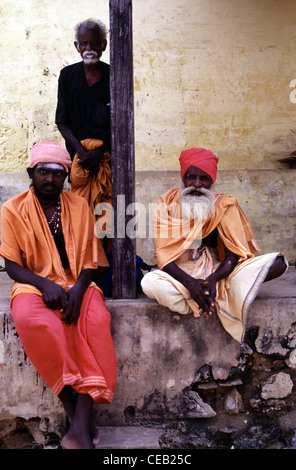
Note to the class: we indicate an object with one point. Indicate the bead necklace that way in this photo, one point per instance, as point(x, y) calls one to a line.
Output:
point(55, 220)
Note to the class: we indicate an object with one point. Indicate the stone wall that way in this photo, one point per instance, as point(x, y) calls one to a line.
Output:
point(187, 377)
point(266, 196)
point(208, 73)
point(221, 82)
point(214, 74)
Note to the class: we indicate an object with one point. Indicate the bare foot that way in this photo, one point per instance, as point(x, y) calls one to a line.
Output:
point(94, 434)
point(73, 440)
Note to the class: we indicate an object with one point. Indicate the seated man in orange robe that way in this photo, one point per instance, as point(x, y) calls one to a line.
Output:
point(51, 252)
point(204, 248)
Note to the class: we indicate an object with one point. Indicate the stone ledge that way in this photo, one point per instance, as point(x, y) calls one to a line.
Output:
point(262, 194)
point(129, 437)
point(171, 368)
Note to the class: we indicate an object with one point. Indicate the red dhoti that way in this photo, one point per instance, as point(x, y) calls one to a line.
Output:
point(80, 355)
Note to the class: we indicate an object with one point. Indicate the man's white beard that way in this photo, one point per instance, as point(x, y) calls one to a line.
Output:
point(90, 57)
point(197, 207)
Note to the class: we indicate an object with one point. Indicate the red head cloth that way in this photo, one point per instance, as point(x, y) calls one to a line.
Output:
point(49, 152)
point(203, 159)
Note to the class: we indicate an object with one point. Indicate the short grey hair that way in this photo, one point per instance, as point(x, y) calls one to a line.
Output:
point(90, 23)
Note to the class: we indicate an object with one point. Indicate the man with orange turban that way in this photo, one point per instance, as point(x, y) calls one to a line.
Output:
point(204, 248)
point(51, 252)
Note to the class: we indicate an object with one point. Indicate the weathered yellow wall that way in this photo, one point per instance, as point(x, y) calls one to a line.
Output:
point(213, 73)
point(36, 42)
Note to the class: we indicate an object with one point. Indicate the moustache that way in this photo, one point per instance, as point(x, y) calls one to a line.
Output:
point(190, 189)
point(90, 55)
point(49, 186)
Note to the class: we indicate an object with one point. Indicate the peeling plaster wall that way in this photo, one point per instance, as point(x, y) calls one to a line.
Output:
point(213, 73)
point(184, 375)
point(36, 42)
point(266, 196)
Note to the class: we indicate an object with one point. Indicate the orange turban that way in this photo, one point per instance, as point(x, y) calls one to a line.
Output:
point(203, 159)
point(49, 152)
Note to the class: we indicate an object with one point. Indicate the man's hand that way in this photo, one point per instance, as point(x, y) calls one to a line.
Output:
point(54, 295)
point(75, 296)
point(91, 159)
point(203, 293)
point(210, 291)
point(88, 159)
point(72, 311)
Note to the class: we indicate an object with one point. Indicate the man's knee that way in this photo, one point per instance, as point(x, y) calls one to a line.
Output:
point(149, 284)
point(277, 269)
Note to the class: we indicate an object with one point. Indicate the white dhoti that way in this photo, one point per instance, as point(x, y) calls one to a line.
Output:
point(234, 294)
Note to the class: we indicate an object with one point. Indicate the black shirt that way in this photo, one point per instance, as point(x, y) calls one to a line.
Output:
point(84, 109)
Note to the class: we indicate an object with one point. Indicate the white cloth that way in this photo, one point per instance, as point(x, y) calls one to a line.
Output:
point(234, 294)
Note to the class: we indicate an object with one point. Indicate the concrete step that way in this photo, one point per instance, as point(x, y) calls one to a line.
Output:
point(126, 438)
point(129, 437)
point(160, 356)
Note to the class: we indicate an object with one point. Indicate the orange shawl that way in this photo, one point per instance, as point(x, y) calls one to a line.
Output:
point(172, 237)
point(97, 188)
point(26, 238)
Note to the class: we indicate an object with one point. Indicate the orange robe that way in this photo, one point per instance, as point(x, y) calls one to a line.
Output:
point(176, 240)
point(96, 189)
point(80, 354)
point(234, 230)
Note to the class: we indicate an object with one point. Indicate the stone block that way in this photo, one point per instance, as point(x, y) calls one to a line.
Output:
point(158, 355)
point(278, 386)
point(170, 367)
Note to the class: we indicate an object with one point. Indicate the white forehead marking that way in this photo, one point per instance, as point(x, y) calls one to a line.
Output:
point(51, 166)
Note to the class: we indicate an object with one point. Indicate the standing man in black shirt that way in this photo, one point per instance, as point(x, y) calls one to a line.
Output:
point(83, 107)
point(83, 119)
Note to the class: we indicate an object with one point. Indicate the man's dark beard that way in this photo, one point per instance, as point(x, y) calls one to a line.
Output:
point(46, 197)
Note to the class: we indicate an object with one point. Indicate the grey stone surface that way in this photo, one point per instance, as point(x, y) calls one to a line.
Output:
point(129, 437)
point(262, 194)
point(171, 370)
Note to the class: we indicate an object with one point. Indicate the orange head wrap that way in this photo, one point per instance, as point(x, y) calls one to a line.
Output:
point(203, 159)
point(49, 152)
